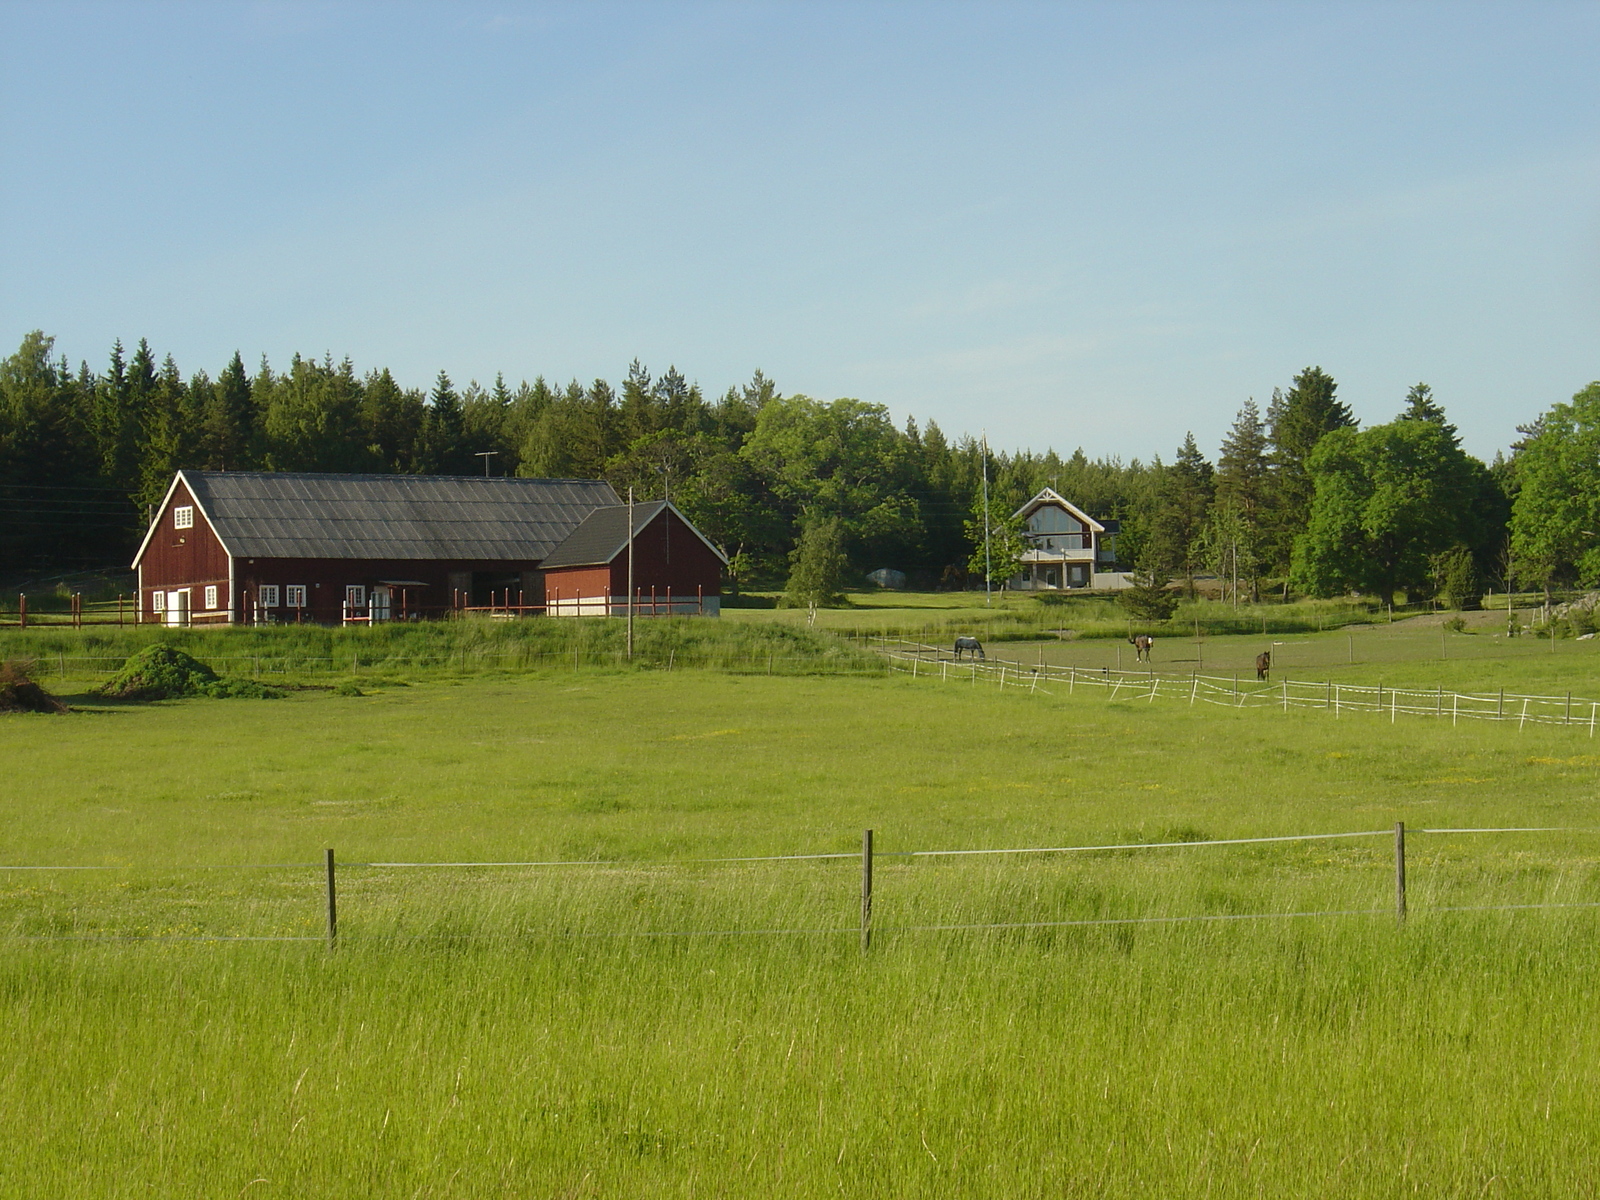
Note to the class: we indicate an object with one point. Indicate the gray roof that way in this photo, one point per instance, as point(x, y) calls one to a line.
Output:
point(283, 515)
point(602, 535)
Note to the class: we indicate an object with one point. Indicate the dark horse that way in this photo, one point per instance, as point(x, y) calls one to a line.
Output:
point(1141, 646)
point(971, 645)
point(1263, 664)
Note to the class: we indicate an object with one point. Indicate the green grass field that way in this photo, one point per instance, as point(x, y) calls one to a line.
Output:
point(529, 1031)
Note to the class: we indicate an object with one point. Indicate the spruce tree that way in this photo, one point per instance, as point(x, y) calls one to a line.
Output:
point(1177, 535)
point(1296, 422)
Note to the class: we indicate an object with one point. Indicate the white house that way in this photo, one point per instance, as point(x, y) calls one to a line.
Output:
point(1065, 544)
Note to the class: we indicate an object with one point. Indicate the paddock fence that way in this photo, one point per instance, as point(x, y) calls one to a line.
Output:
point(1239, 690)
point(325, 877)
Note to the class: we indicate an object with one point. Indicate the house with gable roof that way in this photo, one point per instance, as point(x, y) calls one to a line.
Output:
point(1065, 545)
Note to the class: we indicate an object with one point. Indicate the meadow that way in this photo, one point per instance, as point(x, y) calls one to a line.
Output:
point(642, 1020)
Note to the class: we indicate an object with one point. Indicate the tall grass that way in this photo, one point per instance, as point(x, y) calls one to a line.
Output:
point(1457, 1058)
point(600, 1030)
point(471, 644)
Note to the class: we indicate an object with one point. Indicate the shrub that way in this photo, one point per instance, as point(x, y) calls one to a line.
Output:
point(163, 672)
point(19, 692)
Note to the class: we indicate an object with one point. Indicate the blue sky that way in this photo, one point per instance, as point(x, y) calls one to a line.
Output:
point(1098, 225)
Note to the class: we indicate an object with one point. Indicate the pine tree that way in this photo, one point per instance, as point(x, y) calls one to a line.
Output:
point(1421, 406)
point(1296, 421)
point(639, 417)
point(443, 431)
point(1242, 467)
point(230, 419)
point(1177, 535)
point(1233, 534)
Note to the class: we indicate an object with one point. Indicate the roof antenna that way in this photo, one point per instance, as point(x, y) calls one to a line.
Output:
point(486, 455)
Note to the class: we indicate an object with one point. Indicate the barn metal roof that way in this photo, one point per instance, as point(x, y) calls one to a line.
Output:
point(285, 515)
point(603, 535)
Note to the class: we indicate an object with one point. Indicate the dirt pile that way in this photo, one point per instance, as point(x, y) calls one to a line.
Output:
point(166, 673)
point(19, 693)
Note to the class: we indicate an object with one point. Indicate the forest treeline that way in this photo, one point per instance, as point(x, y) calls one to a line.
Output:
point(1297, 494)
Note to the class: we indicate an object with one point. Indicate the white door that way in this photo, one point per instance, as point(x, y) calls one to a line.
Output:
point(380, 603)
point(178, 607)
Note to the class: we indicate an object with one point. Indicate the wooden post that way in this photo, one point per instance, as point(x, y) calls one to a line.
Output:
point(1400, 871)
point(333, 905)
point(22, 610)
point(866, 889)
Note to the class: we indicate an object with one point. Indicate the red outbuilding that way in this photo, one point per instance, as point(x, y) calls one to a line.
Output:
point(240, 547)
point(670, 561)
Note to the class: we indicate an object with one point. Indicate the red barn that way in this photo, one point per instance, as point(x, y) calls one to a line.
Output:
point(241, 547)
point(672, 564)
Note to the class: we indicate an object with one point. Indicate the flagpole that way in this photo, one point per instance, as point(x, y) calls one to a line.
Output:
point(630, 574)
point(988, 566)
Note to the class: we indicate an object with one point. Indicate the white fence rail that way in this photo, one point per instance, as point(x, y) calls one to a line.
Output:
point(936, 662)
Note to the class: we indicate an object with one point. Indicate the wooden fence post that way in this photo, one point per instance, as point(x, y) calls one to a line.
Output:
point(866, 889)
point(1400, 871)
point(333, 905)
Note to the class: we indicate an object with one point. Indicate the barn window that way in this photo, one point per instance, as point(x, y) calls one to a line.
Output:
point(355, 595)
point(183, 517)
point(158, 601)
point(296, 595)
point(267, 595)
point(211, 597)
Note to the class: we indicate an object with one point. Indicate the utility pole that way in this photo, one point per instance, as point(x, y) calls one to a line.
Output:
point(486, 455)
point(630, 574)
point(988, 587)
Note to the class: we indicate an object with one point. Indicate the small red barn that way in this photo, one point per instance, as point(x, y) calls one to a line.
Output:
point(243, 547)
point(675, 569)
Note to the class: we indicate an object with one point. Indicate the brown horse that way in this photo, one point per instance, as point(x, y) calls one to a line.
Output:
point(1141, 643)
point(1263, 664)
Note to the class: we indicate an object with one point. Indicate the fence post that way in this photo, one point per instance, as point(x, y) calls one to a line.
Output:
point(1400, 872)
point(866, 889)
point(22, 610)
point(333, 905)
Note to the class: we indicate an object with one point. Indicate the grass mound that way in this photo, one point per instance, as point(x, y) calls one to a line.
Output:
point(164, 672)
point(19, 693)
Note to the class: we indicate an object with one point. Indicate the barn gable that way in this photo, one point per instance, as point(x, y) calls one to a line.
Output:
point(603, 535)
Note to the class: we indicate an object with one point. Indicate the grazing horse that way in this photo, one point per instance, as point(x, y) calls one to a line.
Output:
point(1141, 643)
point(971, 645)
point(1263, 664)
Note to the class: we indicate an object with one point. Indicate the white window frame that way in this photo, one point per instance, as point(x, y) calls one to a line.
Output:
point(183, 517)
point(267, 595)
point(211, 597)
point(355, 595)
point(158, 601)
point(295, 595)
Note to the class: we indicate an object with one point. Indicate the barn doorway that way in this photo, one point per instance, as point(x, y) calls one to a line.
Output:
point(491, 587)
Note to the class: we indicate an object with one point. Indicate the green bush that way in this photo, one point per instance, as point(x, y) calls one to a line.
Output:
point(163, 672)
